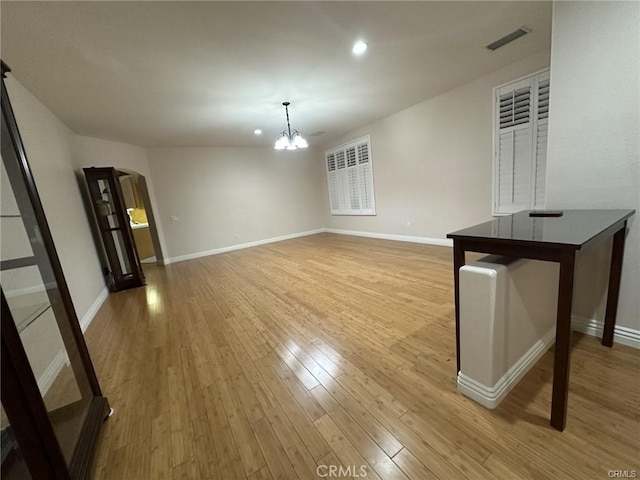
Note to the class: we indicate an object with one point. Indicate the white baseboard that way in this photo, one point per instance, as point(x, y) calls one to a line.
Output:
point(443, 242)
point(149, 260)
point(87, 318)
point(240, 246)
point(53, 370)
point(491, 397)
point(61, 359)
point(590, 326)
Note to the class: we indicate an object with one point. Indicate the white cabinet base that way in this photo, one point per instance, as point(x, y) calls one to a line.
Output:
point(507, 322)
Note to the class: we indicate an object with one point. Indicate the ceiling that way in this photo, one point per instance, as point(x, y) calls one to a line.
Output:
point(206, 73)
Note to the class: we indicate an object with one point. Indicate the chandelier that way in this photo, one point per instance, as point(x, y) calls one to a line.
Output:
point(287, 139)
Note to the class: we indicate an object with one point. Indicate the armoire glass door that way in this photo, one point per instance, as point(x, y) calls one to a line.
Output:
point(114, 225)
point(43, 351)
point(34, 301)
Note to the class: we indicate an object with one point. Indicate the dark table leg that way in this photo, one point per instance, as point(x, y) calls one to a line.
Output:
point(615, 273)
point(458, 262)
point(563, 342)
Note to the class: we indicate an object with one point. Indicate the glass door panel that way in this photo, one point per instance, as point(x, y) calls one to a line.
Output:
point(123, 259)
point(34, 300)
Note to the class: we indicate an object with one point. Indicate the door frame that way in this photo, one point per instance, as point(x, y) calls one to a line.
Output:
point(148, 207)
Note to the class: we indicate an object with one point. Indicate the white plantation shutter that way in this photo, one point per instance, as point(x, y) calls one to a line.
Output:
point(542, 128)
point(341, 180)
point(505, 168)
point(366, 177)
point(515, 106)
point(520, 126)
point(514, 170)
point(350, 178)
point(332, 180)
point(352, 173)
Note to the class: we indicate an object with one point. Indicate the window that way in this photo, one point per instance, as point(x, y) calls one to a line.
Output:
point(350, 178)
point(520, 144)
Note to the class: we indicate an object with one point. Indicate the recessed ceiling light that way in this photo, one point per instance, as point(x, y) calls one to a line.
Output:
point(257, 131)
point(359, 47)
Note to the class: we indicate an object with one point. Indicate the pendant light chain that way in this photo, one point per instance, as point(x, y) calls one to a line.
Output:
point(286, 109)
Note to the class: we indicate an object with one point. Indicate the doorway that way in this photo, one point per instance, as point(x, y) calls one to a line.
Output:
point(127, 209)
point(142, 221)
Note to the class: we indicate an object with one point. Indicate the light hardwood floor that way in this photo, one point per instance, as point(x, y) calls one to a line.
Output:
point(331, 350)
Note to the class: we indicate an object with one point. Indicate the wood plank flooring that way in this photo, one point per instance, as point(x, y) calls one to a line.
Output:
point(333, 357)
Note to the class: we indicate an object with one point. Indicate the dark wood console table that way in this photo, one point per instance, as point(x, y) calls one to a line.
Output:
point(554, 239)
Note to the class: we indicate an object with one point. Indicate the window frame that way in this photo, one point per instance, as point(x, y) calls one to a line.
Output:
point(534, 80)
point(358, 170)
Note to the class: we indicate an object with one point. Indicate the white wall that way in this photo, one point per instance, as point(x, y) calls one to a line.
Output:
point(594, 135)
point(50, 147)
point(433, 162)
point(95, 152)
point(217, 193)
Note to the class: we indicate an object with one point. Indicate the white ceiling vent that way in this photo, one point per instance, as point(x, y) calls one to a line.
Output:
point(508, 38)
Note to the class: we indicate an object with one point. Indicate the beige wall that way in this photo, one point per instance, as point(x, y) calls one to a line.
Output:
point(229, 196)
point(594, 136)
point(50, 148)
point(432, 163)
point(95, 152)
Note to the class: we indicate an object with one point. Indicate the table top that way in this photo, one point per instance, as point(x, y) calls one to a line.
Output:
point(574, 228)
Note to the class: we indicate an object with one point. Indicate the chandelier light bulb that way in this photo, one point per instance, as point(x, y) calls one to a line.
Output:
point(282, 142)
point(299, 142)
point(359, 47)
